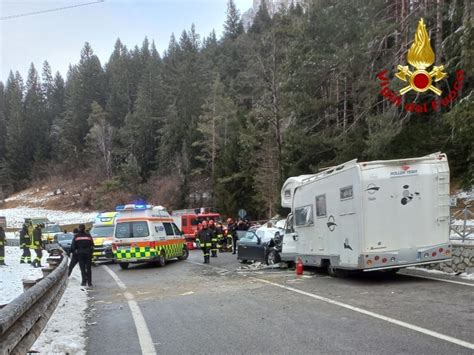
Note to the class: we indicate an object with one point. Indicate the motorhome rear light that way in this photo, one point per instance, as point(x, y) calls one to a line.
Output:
point(376, 258)
point(369, 262)
point(384, 260)
point(441, 250)
point(433, 254)
point(426, 255)
point(392, 259)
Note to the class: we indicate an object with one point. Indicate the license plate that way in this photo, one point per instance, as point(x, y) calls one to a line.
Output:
point(123, 247)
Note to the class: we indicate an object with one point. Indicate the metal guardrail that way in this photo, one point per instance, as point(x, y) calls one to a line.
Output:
point(464, 230)
point(24, 318)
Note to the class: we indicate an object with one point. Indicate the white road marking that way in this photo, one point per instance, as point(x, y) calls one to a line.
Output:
point(363, 311)
point(375, 315)
point(208, 265)
point(144, 336)
point(442, 280)
point(187, 293)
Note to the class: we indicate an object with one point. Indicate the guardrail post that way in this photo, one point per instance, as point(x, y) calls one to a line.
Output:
point(27, 284)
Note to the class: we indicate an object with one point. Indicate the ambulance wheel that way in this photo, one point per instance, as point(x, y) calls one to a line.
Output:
point(124, 266)
point(273, 257)
point(162, 259)
point(185, 254)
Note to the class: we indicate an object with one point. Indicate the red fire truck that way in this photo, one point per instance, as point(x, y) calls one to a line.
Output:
point(188, 220)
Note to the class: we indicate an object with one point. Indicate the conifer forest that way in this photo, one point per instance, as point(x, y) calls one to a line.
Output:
point(222, 119)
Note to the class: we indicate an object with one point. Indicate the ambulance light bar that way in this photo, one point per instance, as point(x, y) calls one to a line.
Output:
point(132, 207)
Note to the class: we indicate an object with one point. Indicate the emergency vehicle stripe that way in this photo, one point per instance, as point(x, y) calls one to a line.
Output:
point(145, 219)
point(147, 252)
point(147, 244)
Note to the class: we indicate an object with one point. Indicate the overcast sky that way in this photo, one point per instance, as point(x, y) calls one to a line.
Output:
point(59, 36)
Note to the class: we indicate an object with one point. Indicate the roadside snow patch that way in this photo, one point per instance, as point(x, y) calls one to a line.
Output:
point(12, 275)
point(16, 216)
point(65, 331)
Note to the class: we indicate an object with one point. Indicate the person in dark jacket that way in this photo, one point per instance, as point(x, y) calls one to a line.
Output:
point(232, 230)
point(2, 246)
point(36, 245)
point(83, 246)
point(204, 241)
point(74, 259)
point(25, 241)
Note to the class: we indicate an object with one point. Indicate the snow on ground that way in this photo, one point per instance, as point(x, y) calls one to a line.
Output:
point(464, 275)
point(64, 333)
point(12, 275)
point(16, 216)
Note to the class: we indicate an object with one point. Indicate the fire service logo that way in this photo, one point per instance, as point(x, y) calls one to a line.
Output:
point(421, 57)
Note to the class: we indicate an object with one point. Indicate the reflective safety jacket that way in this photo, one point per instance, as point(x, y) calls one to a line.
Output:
point(2, 237)
point(36, 243)
point(25, 238)
point(204, 237)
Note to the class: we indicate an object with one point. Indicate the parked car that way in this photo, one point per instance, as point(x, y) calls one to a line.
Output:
point(64, 240)
point(49, 231)
point(260, 245)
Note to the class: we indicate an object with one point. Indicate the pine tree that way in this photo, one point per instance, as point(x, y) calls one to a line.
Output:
point(99, 140)
point(233, 26)
point(18, 158)
point(85, 85)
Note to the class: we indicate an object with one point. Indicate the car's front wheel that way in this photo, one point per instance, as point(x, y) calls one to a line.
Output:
point(124, 266)
point(273, 257)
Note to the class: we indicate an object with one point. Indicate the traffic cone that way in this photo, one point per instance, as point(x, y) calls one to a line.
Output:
point(299, 267)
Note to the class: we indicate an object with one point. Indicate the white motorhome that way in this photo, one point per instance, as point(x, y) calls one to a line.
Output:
point(369, 215)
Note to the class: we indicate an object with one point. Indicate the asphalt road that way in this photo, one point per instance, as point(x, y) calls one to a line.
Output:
point(190, 308)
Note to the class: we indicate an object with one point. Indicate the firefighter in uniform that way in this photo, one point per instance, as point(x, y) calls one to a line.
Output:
point(232, 231)
point(83, 246)
point(36, 245)
point(214, 246)
point(204, 241)
point(221, 242)
point(2, 246)
point(25, 241)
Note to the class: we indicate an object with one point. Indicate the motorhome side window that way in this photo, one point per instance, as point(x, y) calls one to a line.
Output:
point(321, 206)
point(304, 216)
point(346, 193)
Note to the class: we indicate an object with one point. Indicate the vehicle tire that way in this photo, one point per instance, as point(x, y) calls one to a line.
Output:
point(185, 254)
point(124, 266)
point(273, 257)
point(333, 272)
point(162, 259)
point(243, 261)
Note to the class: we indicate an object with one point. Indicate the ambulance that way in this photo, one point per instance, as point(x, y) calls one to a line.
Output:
point(145, 233)
point(103, 234)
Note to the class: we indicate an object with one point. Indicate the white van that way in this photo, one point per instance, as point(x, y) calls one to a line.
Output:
point(144, 233)
point(369, 215)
